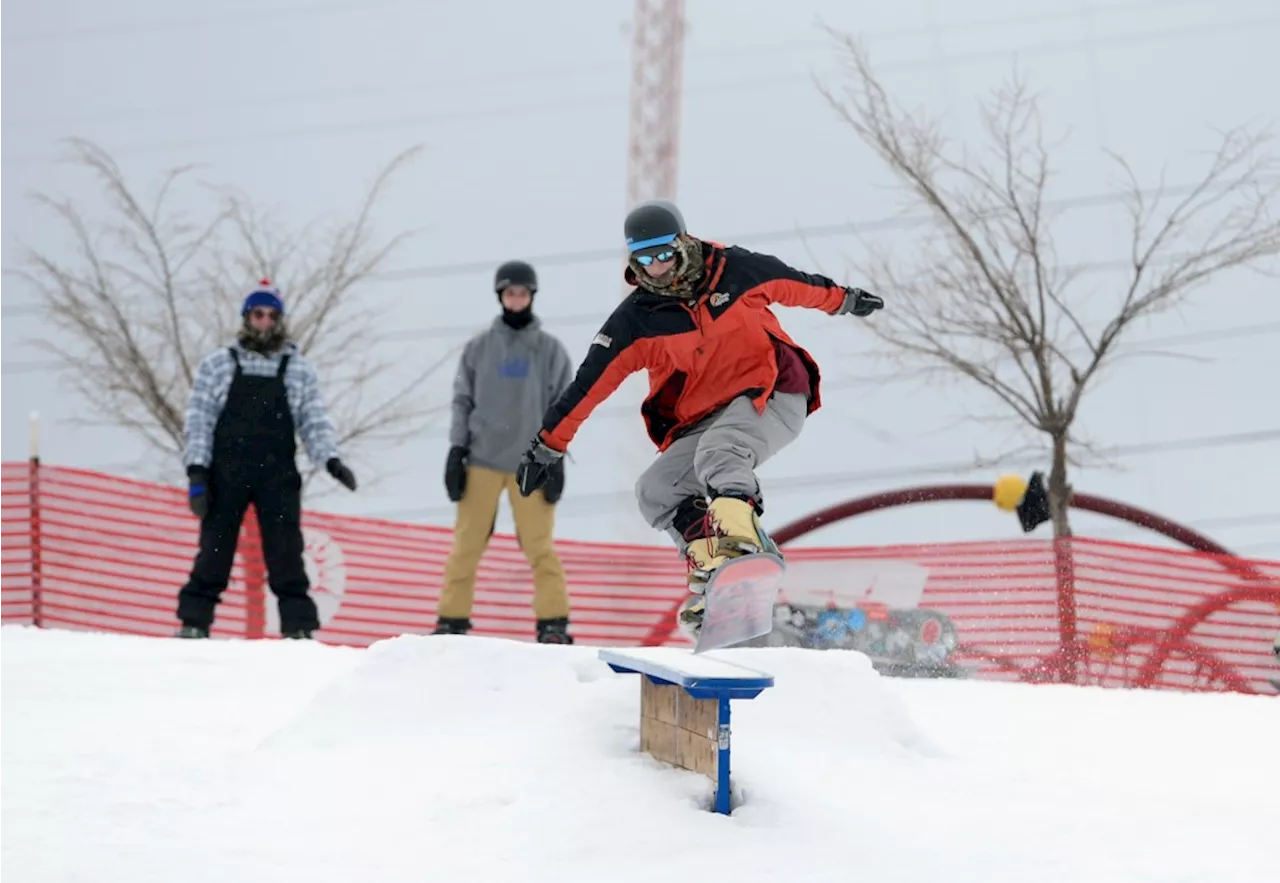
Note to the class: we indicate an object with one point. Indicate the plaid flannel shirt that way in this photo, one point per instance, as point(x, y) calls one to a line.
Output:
point(213, 382)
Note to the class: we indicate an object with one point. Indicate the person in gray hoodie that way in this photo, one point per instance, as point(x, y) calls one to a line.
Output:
point(507, 377)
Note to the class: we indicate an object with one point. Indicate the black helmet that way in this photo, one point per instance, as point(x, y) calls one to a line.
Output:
point(515, 273)
point(651, 223)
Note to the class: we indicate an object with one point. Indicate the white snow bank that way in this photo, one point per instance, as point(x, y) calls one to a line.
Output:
point(446, 758)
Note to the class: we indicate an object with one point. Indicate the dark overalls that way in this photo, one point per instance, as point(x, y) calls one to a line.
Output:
point(253, 462)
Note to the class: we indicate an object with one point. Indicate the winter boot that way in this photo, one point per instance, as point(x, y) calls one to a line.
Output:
point(298, 635)
point(693, 523)
point(736, 521)
point(448, 626)
point(730, 529)
point(554, 631)
point(192, 631)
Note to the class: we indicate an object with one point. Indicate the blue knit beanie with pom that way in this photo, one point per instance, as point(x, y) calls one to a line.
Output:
point(265, 295)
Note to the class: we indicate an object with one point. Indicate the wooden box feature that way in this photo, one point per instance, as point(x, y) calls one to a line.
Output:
point(677, 729)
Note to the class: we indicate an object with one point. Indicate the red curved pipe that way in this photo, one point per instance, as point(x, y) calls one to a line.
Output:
point(940, 492)
point(1085, 502)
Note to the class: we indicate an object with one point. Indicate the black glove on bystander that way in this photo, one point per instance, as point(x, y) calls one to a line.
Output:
point(455, 473)
point(198, 492)
point(339, 470)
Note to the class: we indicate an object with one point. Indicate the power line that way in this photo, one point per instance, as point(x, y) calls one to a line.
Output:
point(407, 334)
point(33, 367)
point(21, 310)
point(314, 95)
point(816, 231)
point(587, 504)
point(440, 271)
point(236, 20)
point(321, 130)
point(619, 411)
point(615, 253)
point(1253, 547)
point(1222, 521)
point(612, 98)
point(785, 484)
point(773, 47)
point(819, 231)
point(447, 332)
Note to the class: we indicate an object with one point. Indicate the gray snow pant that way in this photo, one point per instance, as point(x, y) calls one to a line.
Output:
point(721, 453)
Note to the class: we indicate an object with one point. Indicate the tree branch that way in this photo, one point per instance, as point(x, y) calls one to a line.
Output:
point(149, 292)
point(985, 297)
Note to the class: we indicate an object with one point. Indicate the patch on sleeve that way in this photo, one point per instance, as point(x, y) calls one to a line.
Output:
point(603, 340)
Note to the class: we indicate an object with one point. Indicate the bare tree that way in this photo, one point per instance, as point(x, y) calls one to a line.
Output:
point(154, 288)
point(985, 297)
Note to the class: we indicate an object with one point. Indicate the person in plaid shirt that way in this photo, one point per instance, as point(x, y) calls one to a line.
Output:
point(247, 404)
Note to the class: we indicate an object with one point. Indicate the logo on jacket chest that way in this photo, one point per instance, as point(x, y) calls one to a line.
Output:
point(514, 367)
point(720, 302)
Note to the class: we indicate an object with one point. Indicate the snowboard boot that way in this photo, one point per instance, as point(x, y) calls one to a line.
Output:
point(689, 617)
point(736, 520)
point(730, 528)
point(192, 631)
point(694, 526)
point(451, 626)
point(693, 523)
point(554, 631)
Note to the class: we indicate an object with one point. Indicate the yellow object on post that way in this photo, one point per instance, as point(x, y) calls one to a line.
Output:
point(1008, 492)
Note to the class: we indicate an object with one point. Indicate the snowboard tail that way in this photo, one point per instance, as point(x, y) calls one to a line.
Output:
point(739, 601)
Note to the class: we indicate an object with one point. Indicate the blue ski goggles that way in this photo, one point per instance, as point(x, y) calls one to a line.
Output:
point(665, 254)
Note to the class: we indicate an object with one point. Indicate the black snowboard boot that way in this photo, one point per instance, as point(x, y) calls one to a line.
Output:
point(554, 631)
point(452, 626)
point(192, 631)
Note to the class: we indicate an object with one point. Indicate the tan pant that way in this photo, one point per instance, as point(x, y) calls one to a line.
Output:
point(535, 525)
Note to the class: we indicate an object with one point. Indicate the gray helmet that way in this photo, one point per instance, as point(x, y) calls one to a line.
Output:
point(515, 273)
point(652, 223)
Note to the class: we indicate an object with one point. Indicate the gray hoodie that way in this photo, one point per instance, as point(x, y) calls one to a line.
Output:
point(506, 380)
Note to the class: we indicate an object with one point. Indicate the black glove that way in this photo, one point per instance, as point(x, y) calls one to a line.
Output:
point(861, 303)
point(553, 490)
point(535, 467)
point(455, 473)
point(198, 493)
point(339, 470)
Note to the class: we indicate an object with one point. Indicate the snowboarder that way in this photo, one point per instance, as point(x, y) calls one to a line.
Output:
point(507, 377)
point(246, 404)
point(728, 387)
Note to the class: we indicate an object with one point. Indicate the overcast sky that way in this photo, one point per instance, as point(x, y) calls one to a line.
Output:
point(522, 109)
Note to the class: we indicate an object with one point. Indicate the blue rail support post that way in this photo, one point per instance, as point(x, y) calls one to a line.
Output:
point(684, 708)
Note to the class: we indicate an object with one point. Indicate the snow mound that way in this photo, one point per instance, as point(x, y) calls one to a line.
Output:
point(448, 758)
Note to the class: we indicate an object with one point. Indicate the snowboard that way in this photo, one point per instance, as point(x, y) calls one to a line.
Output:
point(740, 598)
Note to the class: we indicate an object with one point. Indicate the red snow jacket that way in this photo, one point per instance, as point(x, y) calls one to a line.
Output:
point(701, 353)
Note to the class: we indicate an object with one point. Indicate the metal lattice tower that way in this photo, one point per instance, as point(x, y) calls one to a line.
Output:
point(657, 51)
point(653, 141)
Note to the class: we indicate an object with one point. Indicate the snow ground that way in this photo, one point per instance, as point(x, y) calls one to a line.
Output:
point(438, 759)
